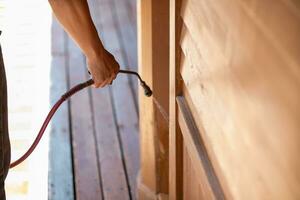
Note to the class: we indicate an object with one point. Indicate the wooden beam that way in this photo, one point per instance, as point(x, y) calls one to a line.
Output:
point(175, 137)
point(153, 43)
point(147, 185)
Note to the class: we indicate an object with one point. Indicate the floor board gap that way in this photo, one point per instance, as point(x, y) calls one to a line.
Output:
point(120, 143)
point(67, 64)
point(124, 55)
point(95, 140)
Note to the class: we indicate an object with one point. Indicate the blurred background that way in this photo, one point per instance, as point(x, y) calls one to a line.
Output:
point(26, 27)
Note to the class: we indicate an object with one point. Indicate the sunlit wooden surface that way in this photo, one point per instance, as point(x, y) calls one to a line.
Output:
point(94, 151)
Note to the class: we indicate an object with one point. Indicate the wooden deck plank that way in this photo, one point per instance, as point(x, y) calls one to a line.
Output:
point(126, 33)
point(87, 177)
point(112, 171)
point(132, 10)
point(110, 158)
point(60, 155)
point(123, 101)
point(104, 122)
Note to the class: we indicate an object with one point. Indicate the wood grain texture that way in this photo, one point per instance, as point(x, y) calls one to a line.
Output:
point(87, 177)
point(175, 136)
point(123, 99)
point(104, 130)
point(132, 11)
point(160, 87)
point(154, 68)
point(197, 155)
point(241, 70)
point(191, 182)
point(147, 187)
point(113, 174)
point(125, 28)
point(60, 175)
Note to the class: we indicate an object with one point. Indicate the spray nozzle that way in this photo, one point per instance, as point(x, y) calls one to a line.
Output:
point(147, 90)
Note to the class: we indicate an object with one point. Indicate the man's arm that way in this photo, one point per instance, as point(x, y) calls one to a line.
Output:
point(75, 18)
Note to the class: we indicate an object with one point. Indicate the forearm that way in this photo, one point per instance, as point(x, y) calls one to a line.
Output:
point(75, 17)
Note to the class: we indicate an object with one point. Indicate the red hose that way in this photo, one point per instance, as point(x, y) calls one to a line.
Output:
point(63, 98)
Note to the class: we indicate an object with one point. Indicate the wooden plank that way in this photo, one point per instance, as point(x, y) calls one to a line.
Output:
point(191, 182)
point(87, 177)
point(175, 137)
point(275, 24)
point(147, 186)
point(244, 93)
point(124, 108)
point(207, 30)
point(260, 26)
point(60, 182)
point(154, 68)
point(198, 153)
point(126, 31)
point(210, 39)
point(109, 150)
point(132, 9)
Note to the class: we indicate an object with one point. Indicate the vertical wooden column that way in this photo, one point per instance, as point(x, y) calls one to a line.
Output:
point(175, 140)
point(153, 39)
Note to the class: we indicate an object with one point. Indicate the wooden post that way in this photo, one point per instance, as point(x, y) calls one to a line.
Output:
point(175, 140)
point(153, 38)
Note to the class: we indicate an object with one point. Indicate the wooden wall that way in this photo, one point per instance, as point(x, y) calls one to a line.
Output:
point(234, 98)
point(240, 70)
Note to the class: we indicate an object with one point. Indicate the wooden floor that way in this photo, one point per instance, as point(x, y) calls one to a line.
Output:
point(94, 142)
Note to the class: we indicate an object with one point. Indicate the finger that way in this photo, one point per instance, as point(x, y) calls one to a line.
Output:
point(115, 76)
point(111, 81)
point(117, 68)
point(112, 78)
point(98, 84)
point(104, 83)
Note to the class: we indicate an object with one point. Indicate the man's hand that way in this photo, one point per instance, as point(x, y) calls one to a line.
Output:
point(103, 67)
point(76, 20)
